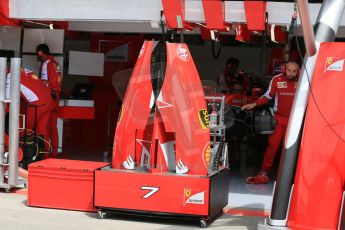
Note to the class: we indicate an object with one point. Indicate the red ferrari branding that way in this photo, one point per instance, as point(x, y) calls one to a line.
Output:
point(182, 53)
point(281, 84)
point(334, 64)
point(193, 196)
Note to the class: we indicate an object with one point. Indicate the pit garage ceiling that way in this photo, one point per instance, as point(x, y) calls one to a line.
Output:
point(138, 15)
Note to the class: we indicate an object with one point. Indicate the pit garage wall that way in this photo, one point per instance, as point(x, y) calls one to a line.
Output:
point(91, 138)
point(96, 136)
point(209, 68)
point(10, 39)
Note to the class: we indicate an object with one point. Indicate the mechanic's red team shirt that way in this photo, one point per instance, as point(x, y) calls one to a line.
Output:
point(283, 90)
point(51, 72)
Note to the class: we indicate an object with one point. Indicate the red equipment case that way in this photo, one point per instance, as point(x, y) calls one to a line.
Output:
point(202, 197)
point(63, 184)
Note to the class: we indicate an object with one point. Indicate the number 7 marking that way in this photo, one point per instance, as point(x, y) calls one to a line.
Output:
point(152, 191)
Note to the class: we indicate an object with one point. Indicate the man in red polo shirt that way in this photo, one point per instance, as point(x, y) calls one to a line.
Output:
point(282, 87)
point(50, 74)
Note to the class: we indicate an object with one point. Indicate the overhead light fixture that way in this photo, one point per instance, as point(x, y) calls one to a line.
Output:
point(50, 25)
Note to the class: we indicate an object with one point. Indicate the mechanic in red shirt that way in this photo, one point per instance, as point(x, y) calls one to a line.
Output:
point(50, 73)
point(282, 87)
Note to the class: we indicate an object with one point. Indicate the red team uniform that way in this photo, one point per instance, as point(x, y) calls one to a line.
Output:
point(50, 73)
point(283, 91)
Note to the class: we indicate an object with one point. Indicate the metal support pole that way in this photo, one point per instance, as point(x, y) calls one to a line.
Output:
point(14, 122)
point(326, 27)
point(308, 33)
point(3, 67)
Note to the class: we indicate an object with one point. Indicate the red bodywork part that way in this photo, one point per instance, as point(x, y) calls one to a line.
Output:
point(163, 147)
point(154, 149)
point(177, 130)
point(319, 181)
point(135, 109)
point(183, 108)
point(44, 104)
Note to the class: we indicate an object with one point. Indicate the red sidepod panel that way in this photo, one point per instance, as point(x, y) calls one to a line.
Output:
point(320, 171)
point(183, 108)
point(135, 109)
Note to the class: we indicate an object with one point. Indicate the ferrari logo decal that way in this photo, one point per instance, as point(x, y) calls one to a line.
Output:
point(194, 196)
point(187, 193)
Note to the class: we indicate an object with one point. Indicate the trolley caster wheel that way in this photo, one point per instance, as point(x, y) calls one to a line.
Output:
point(101, 214)
point(203, 223)
point(25, 185)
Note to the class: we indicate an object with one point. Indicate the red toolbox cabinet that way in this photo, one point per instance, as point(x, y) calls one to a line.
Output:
point(63, 184)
